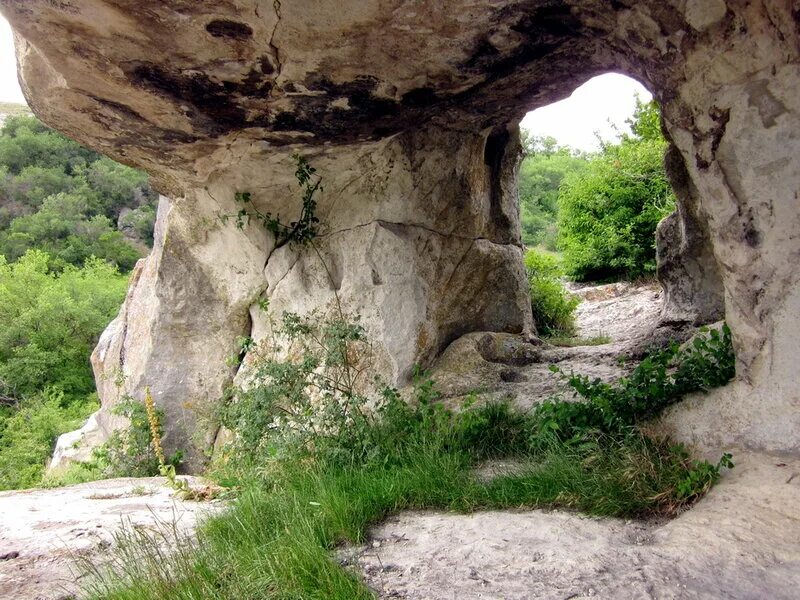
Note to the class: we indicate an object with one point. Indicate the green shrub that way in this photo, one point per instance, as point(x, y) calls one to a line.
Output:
point(553, 307)
point(661, 379)
point(609, 211)
point(29, 431)
point(129, 451)
point(49, 324)
point(64, 228)
point(540, 174)
point(59, 197)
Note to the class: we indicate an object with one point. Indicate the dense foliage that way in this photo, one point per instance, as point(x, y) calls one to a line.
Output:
point(49, 323)
point(608, 212)
point(57, 196)
point(553, 307)
point(61, 254)
point(541, 172)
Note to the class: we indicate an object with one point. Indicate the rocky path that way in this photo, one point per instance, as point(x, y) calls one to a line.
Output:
point(501, 365)
point(43, 532)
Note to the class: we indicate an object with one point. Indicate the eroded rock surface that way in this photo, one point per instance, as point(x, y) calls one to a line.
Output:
point(687, 269)
point(626, 316)
point(409, 112)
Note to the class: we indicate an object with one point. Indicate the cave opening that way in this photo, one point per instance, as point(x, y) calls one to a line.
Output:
point(607, 216)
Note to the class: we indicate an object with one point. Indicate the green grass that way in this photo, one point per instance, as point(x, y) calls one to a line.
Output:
point(573, 341)
point(297, 501)
point(276, 540)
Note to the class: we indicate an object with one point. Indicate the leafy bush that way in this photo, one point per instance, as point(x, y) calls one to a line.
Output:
point(65, 230)
point(116, 186)
point(48, 325)
point(317, 402)
point(141, 221)
point(659, 380)
point(28, 431)
point(608, 212)
point(553, 307)
point(129, 451)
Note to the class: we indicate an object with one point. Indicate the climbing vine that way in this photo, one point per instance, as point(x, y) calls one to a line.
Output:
point(301, 231)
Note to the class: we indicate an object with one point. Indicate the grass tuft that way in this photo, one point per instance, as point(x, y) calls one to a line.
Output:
point(573, 341)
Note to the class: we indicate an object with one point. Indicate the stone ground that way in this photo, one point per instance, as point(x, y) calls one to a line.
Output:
point(42, 532)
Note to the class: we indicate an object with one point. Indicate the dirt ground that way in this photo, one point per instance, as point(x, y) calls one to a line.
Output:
point(42, 532)
point(741, 542)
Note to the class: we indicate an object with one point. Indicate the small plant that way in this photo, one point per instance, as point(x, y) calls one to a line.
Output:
point(128, 452)
point(661, 379)
point(166, 469)
point(308, 390)
point(553, 307)
point(701, 476)
point(573, 341)
point(301, 231)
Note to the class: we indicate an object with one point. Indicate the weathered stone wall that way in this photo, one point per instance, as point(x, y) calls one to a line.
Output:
point(403, 107)
point(419, 237)
point(687, 269)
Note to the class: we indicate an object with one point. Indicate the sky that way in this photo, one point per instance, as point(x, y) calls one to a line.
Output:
point(9, 87)
point(573, 121)
point(592, 107)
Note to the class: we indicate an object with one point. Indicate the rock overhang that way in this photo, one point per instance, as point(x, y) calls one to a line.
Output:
point(192, 76)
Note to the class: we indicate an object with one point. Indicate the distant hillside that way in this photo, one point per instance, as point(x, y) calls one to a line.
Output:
point(12, 108)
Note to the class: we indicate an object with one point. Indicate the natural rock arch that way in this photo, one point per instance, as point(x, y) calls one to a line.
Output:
point(409, 112)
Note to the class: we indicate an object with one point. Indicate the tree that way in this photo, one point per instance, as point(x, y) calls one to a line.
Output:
point(50, 322)
point(63, 229)
point(541, 173)
point(48, 325)
point(646, 121)
point(57, 196)
point(116, 187)
point(609, 212)
point(25, 141)
point(33, 184)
